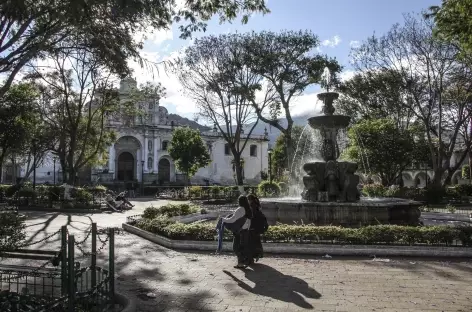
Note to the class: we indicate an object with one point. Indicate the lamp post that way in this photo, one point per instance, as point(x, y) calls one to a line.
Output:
point(142, 177)
point(54, 170)
point(35, 142)
point(270, 165)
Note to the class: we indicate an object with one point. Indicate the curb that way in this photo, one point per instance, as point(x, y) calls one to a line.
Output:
point(128, 302)
point(311, 249)
point(62, 210)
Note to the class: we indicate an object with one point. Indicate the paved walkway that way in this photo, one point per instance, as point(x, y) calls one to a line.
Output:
point(166, 280)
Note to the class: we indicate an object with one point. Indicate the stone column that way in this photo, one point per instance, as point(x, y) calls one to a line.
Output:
point(145, 153)
point(155, 149)
point(111, 159)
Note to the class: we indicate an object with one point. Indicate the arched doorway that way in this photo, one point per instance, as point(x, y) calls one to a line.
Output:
point(125, 167)
point(163, 170)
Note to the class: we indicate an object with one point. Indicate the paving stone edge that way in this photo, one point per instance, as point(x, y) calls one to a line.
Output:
point(310, 249)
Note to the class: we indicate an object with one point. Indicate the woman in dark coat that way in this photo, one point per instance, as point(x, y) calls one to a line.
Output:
point(241, 219)
point(258, 226)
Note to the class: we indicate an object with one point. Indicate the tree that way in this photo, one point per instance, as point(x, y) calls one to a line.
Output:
point(453, 24)
point(76, 96)
point(432, 77)
point(31, 29)
point(214, 75)
point(380, 147)
point(288, 63)
point(373, 95)
point(188, 150)
point(18, 120)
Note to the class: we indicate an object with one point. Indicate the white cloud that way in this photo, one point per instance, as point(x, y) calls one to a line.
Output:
point(331, 42)
point(157, 71)
point(346, 75)
point(156, 37)
point(354, 43)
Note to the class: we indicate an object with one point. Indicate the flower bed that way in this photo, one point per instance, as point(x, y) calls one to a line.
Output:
point(159, 223)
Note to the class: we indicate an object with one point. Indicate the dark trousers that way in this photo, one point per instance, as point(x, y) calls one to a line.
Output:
point(241, 246)
point(256, 245)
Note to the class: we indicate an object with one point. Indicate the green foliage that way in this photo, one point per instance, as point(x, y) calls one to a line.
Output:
point(451, 208)
point(380, 147)
point(375, 234)
point(82, 195)
point(453, 23)
point(12, 231)
point(268, 189)
point(374, 190)
point(18, 117)
point(111, 28)
point(464, 189)
point(169, 210)
point(26, 191)
point(188, 150)
point(466, 172)
point(283, 186)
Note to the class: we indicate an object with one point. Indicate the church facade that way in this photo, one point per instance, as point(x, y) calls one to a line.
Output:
point(140, 152)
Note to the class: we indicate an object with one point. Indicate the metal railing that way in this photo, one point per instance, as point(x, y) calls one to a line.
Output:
point(60, 284)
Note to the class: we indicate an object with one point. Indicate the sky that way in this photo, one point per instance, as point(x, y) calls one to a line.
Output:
point(339, 24)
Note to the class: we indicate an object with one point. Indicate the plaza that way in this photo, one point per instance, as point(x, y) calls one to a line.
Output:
point(160, 279)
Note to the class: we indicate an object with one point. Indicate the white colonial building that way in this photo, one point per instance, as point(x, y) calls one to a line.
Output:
point(141, 152)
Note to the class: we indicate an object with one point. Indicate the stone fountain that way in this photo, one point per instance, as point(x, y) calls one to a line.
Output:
point(331, 195)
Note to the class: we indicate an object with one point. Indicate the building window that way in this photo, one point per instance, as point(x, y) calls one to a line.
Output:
point(150, 145)
point(227, 150)
point(151, 105)
point(165, 145)
point(253, 150)
point(149, 163)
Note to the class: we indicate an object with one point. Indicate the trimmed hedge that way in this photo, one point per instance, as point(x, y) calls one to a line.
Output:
point(375, 234)
point(169, 211)
point(267, 188)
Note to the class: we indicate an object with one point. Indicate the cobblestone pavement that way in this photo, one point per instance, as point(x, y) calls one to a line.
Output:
point(166, 280)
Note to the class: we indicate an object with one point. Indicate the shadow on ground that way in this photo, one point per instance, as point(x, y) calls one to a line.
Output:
point(269, 282)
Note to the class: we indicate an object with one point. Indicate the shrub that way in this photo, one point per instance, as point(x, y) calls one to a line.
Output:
point(267, 188)
point(82, 195)
point(434, 193)
point(465, 172)
point(27, 192)
point(394, 191)
point(195, 191)
point(424, 208)
point(464, 189)
point(169, 211)
point(283, 187)
point(97, 190)
point(374, 190)
point(55, 192)
point(12, 231)
point(375, 234)
point(451, 208)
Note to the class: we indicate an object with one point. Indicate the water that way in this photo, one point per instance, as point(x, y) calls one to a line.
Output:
point(326, 78)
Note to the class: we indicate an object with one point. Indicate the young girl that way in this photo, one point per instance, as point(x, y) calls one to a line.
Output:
point(241, 244)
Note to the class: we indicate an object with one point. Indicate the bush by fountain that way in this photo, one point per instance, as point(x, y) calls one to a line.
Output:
point(331, 194)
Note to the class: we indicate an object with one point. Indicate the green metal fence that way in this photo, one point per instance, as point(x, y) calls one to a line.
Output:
point(60, 283)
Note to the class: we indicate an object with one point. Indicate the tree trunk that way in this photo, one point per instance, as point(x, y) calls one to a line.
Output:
point(239, 170)
point(437, 176)
point(71, 176)
point(470, 165)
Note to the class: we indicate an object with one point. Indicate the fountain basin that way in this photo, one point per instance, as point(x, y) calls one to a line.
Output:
point(366, 211)
point(329, 121)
